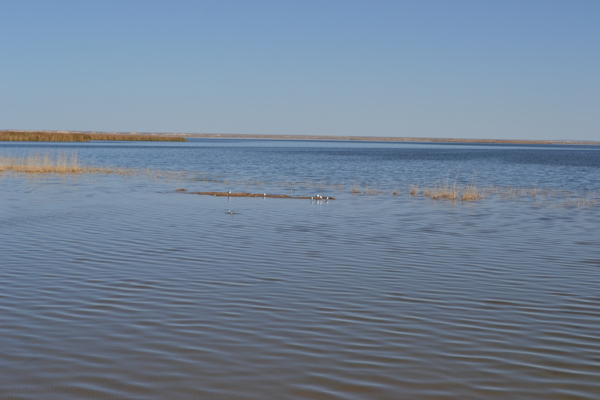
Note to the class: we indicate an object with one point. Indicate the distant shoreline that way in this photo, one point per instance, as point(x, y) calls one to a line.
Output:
point(386, 139)
point(313, 137)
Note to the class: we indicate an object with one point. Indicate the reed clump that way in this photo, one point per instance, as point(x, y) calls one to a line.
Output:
point(59, 163)
point(68, 164)
point(42, 163)
point(472, 193)
point(443, 191)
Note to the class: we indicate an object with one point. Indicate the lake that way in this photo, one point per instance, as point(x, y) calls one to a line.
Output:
point(117, 286)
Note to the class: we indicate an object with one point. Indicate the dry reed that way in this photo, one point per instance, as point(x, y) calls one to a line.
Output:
point(62, 163)
point(471, 193)
point(42, 163)
point(442, 191)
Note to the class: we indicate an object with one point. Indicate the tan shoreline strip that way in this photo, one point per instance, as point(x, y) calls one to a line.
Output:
point(275, 196)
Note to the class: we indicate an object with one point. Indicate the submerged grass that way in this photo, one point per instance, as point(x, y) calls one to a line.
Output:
point(373, 191)
point(549, 198)
point(449, 191)
point(355, 189)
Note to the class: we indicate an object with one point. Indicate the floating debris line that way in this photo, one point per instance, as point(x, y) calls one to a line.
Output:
point(265, 195)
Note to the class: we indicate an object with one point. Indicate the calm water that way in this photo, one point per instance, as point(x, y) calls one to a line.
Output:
point(117, 287)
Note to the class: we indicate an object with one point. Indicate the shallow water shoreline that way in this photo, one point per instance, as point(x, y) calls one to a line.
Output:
point(398, 289)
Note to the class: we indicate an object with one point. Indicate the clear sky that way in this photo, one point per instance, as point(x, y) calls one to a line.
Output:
point(468, 69)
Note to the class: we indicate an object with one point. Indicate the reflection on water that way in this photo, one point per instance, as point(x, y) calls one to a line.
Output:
point(112, 287)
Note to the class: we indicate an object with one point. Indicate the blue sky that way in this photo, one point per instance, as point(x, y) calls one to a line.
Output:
point(469, 69)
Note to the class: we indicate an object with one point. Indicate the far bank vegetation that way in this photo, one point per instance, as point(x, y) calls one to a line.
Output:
point(16, 136)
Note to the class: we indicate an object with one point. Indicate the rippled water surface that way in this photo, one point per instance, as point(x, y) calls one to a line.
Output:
point(118, 287)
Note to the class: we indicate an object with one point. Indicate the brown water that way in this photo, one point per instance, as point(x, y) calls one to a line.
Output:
point(114, 287)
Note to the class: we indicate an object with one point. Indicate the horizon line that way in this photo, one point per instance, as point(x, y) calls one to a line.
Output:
point(321, 137)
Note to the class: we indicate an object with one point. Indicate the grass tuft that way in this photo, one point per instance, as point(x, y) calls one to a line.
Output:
point(471, 193)
point(442, 191)
point(413, 190)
